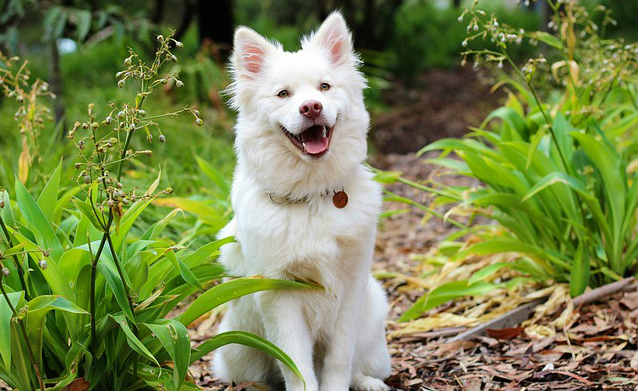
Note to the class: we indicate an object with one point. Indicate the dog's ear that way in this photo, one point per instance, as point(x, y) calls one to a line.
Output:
point(249, 52)
point(333, 36)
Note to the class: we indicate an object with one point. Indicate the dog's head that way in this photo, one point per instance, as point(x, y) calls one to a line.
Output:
point(305, 105)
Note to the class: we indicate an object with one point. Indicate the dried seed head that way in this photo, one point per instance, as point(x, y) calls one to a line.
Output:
point(43, 264)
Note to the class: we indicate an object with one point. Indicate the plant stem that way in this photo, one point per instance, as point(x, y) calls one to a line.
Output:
point(540, 107)
point(15, 259)
point(119, 271)
point(93, 276)
point(23, 330)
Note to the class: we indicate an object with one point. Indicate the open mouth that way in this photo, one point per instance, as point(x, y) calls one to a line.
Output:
point(313, 141)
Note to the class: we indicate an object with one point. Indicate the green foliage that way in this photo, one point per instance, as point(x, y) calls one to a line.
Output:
point(561, 177)
point(93, 262)
point(427, 36)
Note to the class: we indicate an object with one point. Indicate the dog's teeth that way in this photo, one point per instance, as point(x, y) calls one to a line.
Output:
point(325, 132)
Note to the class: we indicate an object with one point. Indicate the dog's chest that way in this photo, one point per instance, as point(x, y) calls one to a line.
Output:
point(306, 239)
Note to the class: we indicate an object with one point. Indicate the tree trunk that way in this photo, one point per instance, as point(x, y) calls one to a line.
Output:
point(55, 82)
point(215, 22)
point(158, 12)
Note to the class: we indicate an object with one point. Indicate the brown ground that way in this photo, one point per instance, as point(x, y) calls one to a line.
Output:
point(439, 104)
point(597, 350)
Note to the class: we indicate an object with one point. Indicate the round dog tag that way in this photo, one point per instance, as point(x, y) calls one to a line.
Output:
point(340, 199)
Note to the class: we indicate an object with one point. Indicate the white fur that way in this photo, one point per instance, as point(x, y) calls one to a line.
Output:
point(335, 336)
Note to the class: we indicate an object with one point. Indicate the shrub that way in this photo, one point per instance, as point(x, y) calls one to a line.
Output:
point(560, 177)
point(82, 300)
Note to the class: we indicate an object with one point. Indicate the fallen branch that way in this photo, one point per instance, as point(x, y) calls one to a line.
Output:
point(522, 313)
point(507, 320)
point(437, 333)
point(602, 291)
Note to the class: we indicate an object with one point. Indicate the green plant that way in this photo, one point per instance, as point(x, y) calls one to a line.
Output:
point(429, 36)
point(560, 177)
point(81, 297)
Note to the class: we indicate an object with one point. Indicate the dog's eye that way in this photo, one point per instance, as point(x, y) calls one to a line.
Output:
point(324, 87)
point(283, 94)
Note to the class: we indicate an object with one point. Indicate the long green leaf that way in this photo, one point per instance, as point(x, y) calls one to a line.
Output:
point(37, 310)
point(115, 283)
point(49, 195)
point(174, 337)
point(38, 221)
point(5, 325)
point(247, 339)
point(236, 288)
point(132, 340)
point(445, 293)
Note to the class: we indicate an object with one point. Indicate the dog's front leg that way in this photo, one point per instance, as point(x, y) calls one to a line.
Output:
point(287, 328)
point(336, 372)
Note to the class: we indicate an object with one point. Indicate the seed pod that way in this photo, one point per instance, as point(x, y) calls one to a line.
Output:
point(179, 83)
point(149, 138)
point(120, 114)
point(162, 138)
point(1, 203)
point(87, 179)
point(78, 165)
point(5, 271)
point(43, 264)
point(199, 121)
point(120, 83)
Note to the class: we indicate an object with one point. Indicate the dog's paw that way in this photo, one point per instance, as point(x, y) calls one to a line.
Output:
point(362, 382)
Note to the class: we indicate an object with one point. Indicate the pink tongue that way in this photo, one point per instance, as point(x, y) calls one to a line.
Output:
point(316, 146)
point(314, 142)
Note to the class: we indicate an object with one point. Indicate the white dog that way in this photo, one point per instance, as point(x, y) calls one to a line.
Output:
point(305, 207)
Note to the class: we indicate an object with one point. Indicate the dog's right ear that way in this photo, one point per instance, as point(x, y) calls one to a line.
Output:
point(249, 53)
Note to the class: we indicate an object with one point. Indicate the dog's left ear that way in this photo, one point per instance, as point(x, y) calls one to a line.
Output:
point(334, 37)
